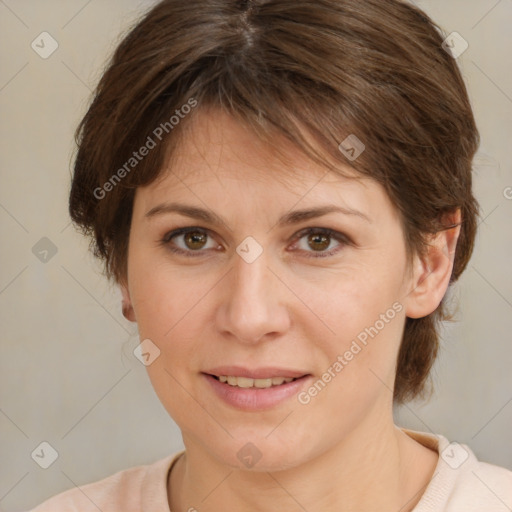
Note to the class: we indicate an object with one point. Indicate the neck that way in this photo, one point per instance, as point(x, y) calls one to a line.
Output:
point(371, 469)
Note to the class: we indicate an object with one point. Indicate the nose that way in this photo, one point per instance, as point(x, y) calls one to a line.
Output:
point(253, 306)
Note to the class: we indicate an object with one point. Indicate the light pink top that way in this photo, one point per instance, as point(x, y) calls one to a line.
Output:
point(460, 483)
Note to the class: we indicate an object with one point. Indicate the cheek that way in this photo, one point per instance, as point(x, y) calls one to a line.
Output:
point(169, 312)
point(163, 299)
point(173, 312)
point(356, 299)
point(365, 317)
point(358, 362)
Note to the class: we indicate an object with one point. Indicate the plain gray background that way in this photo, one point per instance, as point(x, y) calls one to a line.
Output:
point(67, 369)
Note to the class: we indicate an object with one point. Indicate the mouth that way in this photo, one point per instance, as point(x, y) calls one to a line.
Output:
point(255, 390)
point(246, 382)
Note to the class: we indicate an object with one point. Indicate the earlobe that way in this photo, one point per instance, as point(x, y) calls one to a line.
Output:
point(127, 307)
point(432, 271)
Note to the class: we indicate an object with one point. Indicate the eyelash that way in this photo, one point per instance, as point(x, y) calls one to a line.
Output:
point(340, 237)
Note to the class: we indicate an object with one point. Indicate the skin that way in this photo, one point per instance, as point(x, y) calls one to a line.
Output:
point(341, 451)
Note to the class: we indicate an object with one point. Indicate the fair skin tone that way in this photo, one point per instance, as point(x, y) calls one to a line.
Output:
point(286, 309)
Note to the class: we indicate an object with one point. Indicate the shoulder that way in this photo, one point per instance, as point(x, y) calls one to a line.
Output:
point(125, 491)
point(483, 487)
point(462, 482)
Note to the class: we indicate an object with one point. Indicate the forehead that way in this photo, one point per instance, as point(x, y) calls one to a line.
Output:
point(220, 160)
point(216, 142)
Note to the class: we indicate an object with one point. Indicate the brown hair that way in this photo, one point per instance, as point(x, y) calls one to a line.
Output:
point(324, 68)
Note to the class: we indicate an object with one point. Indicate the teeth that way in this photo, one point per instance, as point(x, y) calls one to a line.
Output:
point(262, 383)
point(245, 382)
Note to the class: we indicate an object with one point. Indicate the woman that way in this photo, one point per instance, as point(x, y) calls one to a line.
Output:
point(282, 191)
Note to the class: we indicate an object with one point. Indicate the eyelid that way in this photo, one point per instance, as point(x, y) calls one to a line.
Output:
point(166, 239)
point(329, 231)
point(340, 237)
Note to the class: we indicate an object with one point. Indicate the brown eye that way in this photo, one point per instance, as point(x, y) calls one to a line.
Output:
point(189, 241)
point(195, 239)
point(318, 241)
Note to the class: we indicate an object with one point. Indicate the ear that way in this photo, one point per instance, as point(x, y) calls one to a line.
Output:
point(128, 311)
point(432, 271)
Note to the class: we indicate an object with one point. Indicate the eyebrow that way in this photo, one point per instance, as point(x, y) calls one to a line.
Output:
point(293, 217)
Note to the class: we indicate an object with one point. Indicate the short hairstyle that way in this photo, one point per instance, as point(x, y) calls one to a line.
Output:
point(314, 71)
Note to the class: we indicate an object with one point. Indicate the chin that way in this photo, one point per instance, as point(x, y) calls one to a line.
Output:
point(257, 453)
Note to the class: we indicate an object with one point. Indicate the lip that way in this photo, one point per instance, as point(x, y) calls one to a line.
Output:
point(258, 373)
point(256, 399)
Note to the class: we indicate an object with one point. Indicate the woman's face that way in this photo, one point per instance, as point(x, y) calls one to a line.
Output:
point(254, 295)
